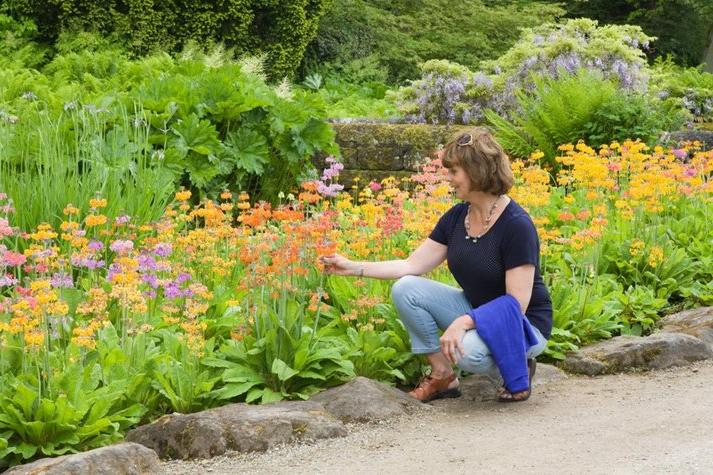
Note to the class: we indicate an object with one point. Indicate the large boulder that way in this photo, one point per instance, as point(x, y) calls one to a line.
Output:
point(697, 322)
point(365, 400)
point(623, 353)
point(119, 459)
point(236, 427)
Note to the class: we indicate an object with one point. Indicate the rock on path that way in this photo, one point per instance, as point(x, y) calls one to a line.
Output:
point(653, 422)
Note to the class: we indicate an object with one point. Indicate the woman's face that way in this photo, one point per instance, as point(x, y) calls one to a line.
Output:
point(460, 181)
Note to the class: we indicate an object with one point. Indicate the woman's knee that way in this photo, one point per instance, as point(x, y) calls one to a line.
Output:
point(404, 288)
point(476, 362)
point(476, 357)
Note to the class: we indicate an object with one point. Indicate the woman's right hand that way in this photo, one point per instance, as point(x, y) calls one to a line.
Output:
point(338, 265)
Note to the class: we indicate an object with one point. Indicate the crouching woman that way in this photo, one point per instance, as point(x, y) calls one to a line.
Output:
point(500, 318)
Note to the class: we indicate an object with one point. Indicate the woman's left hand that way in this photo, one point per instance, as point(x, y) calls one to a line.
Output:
point(452, 338)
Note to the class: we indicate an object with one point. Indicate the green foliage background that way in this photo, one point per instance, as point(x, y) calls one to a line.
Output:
point(281, 30)
point(683, 27)
point(390, 38)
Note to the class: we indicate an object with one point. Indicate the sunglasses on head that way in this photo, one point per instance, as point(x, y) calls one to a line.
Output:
point(464, 140)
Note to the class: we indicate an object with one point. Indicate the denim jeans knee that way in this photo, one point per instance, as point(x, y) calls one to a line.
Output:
point(403, 289)
point(477, 358)
point(424, 307)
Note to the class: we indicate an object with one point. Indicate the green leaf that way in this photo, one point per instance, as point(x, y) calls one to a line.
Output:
point(196, 135)
point(241, 374)
point(254, 394)
point(230, 391)
point(248, 149)
point(269, 395)
point(282, 370)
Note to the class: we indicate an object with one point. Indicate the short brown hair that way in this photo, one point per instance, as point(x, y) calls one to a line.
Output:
point(482, 158)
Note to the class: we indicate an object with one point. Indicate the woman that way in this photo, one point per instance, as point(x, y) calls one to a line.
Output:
point(492, 250)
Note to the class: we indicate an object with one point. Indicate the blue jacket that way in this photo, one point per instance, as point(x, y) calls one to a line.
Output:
point(508, 334)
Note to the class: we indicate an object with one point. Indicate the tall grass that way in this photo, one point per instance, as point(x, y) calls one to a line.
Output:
point(47, 162)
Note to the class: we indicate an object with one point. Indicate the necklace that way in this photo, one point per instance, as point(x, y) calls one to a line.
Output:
point(486, 224)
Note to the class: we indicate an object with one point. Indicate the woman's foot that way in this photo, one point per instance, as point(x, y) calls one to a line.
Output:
point(506, 396)
point(431, 387)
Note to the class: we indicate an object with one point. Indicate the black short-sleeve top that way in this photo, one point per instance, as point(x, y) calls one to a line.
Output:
point(479, 266)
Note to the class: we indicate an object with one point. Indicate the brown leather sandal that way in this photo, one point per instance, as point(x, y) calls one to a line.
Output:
point(430, 388)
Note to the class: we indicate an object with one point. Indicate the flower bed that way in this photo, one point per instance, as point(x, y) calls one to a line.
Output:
point(105, 324)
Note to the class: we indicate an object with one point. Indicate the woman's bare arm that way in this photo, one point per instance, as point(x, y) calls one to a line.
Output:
point(518, 283)
point(424, 259)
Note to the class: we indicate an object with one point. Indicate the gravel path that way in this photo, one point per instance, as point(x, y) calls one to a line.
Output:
point(657, 422)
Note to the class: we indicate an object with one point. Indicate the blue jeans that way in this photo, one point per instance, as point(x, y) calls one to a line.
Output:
point(425, 306)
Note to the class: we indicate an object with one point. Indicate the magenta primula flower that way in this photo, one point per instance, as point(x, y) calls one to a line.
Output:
point(679, 153)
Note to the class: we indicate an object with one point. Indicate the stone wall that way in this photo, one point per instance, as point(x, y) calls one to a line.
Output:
point(375, 151)
point(703, 135)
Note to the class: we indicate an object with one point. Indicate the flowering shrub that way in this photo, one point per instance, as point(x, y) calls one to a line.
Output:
point(451, 93)
point(552, 50)
point(447, 92)
point(690, 88)
point(105, 323)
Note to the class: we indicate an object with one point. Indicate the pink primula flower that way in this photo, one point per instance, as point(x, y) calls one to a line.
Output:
point(5, 229)
point(13, 258)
